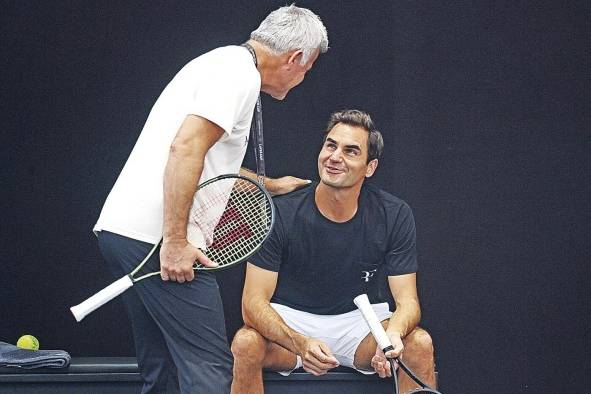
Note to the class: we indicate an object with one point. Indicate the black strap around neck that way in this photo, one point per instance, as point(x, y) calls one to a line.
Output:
point(252, 52)
point(257, 128)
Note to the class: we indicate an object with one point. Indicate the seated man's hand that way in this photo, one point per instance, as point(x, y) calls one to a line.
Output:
point(317, 358)
point(380, 363)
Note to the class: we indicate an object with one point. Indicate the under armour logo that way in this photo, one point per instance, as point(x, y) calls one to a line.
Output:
point(367, 274)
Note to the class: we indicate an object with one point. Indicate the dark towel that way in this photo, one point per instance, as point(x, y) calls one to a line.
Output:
point(12, 356)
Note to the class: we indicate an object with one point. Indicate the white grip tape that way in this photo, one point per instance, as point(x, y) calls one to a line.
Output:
point(102, 297)
point(372, 321)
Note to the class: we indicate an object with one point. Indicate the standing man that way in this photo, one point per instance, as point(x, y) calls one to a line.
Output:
point(197, 129)
point(328, 243)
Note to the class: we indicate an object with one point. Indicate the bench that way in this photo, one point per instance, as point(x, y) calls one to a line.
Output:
point(119, 375)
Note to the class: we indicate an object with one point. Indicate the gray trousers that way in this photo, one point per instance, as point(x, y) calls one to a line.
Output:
point(179, 329)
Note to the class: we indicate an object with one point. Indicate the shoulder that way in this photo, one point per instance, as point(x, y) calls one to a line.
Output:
point(294, 199)
point(383, 197)
point(231, 55)
point(231, 63)
point(224, 55)
point(389, 204)
point(295, 204)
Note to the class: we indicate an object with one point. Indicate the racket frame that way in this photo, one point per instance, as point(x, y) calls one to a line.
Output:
point(97, 300)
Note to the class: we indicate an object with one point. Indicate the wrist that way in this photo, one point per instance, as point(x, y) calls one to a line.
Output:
point(394, 333)
point(174, 239)
point(300, 343)
point(270, 184)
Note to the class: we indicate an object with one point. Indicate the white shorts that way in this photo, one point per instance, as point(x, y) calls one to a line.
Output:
point(342, 333)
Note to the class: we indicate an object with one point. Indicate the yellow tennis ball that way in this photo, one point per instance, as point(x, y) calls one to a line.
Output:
point(28, 342)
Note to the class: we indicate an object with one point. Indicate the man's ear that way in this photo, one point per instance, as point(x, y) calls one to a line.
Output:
point(371, 168)
point(296, 56)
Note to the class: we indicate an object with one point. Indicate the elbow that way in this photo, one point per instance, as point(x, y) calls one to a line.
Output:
point(245, 316)
point(411, 306)
point(252, 307)
point(247, 321)
point(178, 148)
point(246, 312)
point(415, 307)
point(183, 145)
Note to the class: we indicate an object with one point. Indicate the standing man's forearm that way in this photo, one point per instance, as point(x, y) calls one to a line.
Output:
point(182, 173)
point(277, 186)
point(181, 177)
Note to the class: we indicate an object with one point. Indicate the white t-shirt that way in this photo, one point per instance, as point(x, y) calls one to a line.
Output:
point(221, 86)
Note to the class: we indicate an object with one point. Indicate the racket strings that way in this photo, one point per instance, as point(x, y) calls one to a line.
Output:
point(234, 216)
point(251, 234)
point(210, 201)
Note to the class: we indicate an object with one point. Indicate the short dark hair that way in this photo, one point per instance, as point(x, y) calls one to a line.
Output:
point(357, 118)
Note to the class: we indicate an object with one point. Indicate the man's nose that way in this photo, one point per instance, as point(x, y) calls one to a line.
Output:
point(336, 155)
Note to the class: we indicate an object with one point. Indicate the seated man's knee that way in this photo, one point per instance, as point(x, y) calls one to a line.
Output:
point(419, 343)
point(248, 345)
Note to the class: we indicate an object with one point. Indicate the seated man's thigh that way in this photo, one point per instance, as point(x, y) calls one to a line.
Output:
point(418, 346)
point(366, 350)
point(279, 358)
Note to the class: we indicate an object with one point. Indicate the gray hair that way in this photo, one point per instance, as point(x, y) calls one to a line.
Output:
point(357, 118)
point(292, 28)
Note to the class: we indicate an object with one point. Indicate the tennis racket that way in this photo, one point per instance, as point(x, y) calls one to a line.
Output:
point(384, 343)
point(230, 218)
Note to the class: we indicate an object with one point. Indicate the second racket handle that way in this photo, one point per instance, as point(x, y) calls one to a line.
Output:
point(373, 322)
point(81, 310)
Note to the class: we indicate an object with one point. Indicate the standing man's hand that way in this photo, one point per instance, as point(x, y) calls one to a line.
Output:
point(380, 363)
point(317, 357)
point(285, 184)
point(177, 259)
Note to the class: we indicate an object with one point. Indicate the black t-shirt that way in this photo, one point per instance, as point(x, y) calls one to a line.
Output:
point(323, 265)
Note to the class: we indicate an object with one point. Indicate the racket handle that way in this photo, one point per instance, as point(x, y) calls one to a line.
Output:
point(383, 341)
point(373, 322)
point(102, 297)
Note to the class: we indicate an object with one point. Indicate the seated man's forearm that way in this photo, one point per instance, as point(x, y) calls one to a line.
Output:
point(259, 314)
point(405, 318)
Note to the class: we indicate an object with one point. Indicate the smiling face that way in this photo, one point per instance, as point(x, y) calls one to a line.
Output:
point(342, 162)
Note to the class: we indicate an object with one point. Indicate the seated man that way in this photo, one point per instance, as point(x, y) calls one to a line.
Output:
point(328, 242)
